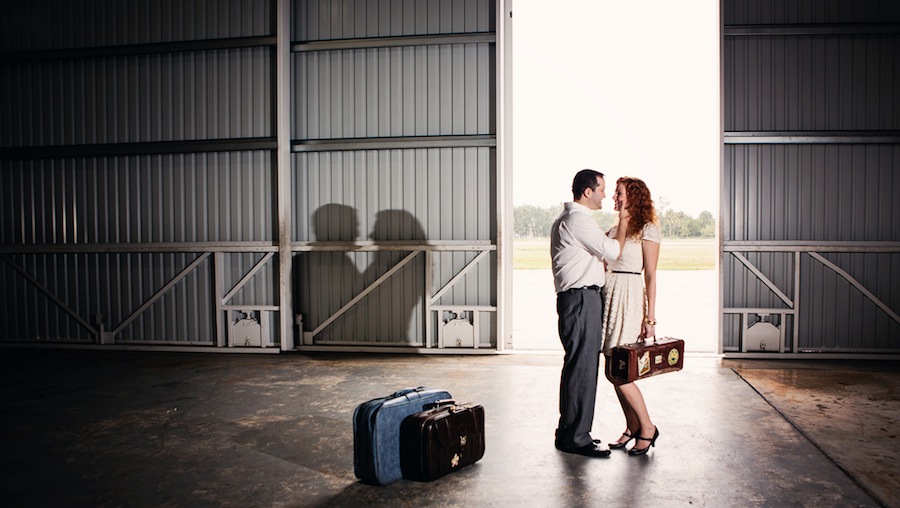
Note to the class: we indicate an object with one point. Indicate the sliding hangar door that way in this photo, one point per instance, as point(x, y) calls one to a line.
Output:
point(810, 219)
point(251, 175)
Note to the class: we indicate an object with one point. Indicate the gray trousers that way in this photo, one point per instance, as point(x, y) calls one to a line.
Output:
point(580, 331)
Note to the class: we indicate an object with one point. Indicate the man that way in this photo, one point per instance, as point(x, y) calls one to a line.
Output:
point(577, 250)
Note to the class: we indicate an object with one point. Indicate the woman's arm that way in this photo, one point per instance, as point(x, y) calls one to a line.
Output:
point(651, 258)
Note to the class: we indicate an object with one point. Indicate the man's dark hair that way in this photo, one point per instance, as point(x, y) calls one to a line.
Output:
point(584, 179)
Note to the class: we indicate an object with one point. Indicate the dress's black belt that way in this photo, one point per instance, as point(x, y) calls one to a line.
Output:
point(630, 273)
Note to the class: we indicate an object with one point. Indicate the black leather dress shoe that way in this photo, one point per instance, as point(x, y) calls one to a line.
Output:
point(588, 450)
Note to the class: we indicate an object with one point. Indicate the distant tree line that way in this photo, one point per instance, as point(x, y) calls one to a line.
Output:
point(531, 221)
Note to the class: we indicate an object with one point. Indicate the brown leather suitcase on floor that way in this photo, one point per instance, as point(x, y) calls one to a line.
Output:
point(441, 440)
point(644, 359)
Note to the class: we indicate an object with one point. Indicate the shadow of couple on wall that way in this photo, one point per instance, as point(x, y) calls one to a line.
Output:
point(326, 280)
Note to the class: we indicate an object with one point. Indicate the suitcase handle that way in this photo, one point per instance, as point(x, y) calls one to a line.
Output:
point(439, 403)
point(640, 339)
point(400, 393)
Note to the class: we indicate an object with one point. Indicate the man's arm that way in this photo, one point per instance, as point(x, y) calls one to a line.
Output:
point(595, 241)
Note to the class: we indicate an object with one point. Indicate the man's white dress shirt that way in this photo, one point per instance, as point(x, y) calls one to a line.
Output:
point(577, 249)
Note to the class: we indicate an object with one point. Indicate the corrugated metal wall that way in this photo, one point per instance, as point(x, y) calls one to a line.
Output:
point(161, 97)
point(812, 175)
point(139, 180)
point(109, 109)
point(51, 24)
point(204, 197)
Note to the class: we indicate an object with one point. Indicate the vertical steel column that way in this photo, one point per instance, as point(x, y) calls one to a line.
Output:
point(283, 170)
point(504, 175)
point(723, 192)
point(426, 298)
point(218, 294)
point(795, 345)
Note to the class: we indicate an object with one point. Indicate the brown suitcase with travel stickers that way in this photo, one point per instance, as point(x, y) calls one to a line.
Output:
point(643, 359)
point(441, 440)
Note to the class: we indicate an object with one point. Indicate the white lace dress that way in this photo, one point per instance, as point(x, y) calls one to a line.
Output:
point(626, 301)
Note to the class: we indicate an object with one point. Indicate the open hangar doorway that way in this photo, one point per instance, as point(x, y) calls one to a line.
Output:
point(592, 91)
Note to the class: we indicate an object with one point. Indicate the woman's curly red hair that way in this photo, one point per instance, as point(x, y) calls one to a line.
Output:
point(640, 204)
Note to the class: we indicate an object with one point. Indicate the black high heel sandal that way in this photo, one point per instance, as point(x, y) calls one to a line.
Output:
point(643, 451)
point(617, 445)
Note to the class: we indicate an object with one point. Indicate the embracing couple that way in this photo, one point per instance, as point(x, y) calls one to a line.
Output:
point(602, 301)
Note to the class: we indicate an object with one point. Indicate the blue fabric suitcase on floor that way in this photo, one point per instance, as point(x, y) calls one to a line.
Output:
point(376, 432)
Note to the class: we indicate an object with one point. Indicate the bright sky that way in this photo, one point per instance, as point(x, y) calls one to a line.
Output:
point(623, 87)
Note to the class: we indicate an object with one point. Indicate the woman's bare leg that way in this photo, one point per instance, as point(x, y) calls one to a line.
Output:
point(633, 398)
point(631, 419)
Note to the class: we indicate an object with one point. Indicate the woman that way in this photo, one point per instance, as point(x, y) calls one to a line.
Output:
point(630, 311)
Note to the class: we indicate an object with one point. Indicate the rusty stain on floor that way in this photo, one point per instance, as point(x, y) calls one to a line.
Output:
point(849, 410)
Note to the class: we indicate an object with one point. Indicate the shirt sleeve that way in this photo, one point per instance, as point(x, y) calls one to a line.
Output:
point(651, 233)
point(593, 239)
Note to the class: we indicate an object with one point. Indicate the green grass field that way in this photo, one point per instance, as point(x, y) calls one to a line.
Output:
point(674, 254)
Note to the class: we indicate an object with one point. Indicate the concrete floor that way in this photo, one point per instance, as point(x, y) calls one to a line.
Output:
point(687, 307)
point(125, 428)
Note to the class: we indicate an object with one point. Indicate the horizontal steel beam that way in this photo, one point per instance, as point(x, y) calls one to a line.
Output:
point(809, 246)
point(391, 348)
point(814, 29)
point(165, 247)
point(817, 354)
point(478, 308)
point(142, 148)
point(268, 308)
point(138, 49)
point(758, 310)
point(394, 42)
point(811, 137)
point(400, 246)
point(394, 143)
point(145, 345)
point(125, 248)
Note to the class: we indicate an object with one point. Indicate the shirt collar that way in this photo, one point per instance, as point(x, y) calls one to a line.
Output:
point(572, 206)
